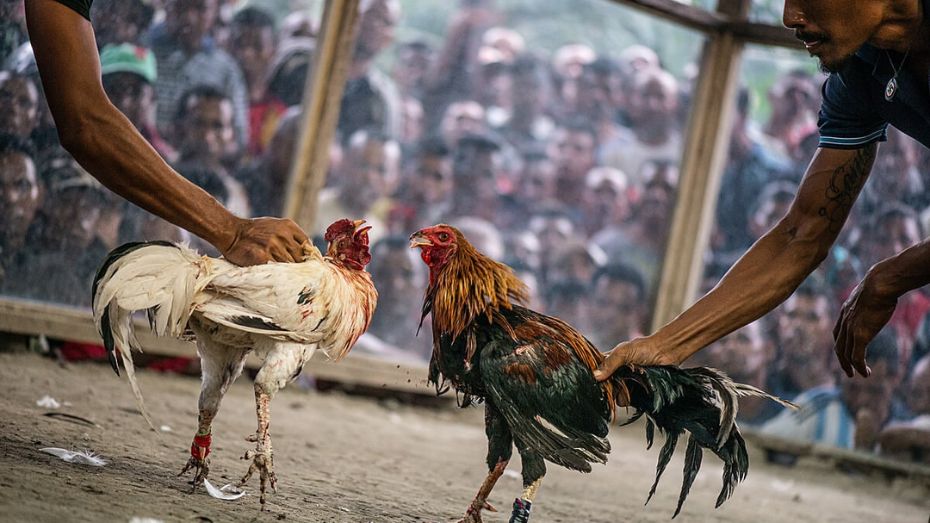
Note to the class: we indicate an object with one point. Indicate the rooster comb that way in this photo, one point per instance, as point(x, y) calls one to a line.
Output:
point(344, 226)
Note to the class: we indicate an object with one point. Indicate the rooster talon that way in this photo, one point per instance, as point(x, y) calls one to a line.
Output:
point(245, 479)
point(263, 463)
point(488, 506)
point(201, 469)
point(472, 515)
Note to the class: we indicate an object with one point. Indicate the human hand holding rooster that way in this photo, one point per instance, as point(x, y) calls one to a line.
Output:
point(261, 240)
point(638, 352)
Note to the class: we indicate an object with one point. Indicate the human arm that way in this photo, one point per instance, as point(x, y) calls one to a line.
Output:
point(873, 301)
point(769, 271)
point(109, 147)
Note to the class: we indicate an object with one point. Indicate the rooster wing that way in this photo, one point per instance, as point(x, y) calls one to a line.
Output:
point(279, 300)
point(309, 302)
point(549, 398)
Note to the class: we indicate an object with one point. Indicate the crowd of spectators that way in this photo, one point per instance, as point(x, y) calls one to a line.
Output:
point(562, 164)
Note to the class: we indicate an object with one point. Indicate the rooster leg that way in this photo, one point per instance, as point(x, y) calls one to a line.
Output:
point(262, 460)
point(221, 365)
point(473, 512)
point(200, 449)
point(500, 447)
point(283, 364)
point(534, 468)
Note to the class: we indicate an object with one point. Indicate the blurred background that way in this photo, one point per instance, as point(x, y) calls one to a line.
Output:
point(550, 133)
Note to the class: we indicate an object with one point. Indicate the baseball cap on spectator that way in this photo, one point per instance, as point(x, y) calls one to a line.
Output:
point(569, 60)
point(63, 173)
point(489, 56)
point(505, 40)
point(597, 177)
point(638, 57)
point(128, 58)
point(289, 69)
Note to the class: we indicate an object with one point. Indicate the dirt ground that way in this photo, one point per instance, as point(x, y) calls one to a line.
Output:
point(349, 459)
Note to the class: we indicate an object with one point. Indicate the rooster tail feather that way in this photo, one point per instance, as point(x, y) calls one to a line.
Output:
point(702, 402)
point(744, 390)
point(734, 469)
point(729, 406)
point(122, 341)
point(158, 277)
point(693, 456)
point(107, 334)
point(650, 433)
point(633, 419)
point(665, 455)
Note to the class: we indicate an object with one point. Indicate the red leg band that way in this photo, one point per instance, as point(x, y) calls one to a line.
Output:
point(200, 448)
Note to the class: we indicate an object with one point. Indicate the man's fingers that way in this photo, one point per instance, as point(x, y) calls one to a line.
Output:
point(860, 346)
point(296, 250)
point(608, 366)
point(849, 344)
point(289, 229)
point(841, 350)
point(293, 238)
point(839, 324)
point(299, 235)
point(280, 254)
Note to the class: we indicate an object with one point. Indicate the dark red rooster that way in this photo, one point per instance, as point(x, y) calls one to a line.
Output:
point(534, 374)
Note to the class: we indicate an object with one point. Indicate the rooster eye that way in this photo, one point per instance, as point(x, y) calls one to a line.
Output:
point(443, 237)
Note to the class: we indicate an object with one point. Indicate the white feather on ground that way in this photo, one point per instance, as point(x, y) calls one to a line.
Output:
point(220, 493)
point(84, 457)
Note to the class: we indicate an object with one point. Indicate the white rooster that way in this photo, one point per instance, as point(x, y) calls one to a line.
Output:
point(282, 312)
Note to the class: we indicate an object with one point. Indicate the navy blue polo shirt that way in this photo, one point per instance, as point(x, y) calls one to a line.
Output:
point(854, 111)
point(81, 6)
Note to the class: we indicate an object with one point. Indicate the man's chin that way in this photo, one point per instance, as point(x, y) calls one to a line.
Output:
point(829, 66)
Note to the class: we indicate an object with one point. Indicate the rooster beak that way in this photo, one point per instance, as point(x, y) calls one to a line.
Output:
point(357, 224)
point(419, 240)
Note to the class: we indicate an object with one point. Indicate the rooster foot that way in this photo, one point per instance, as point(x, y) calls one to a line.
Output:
point(473, 514)
point(264, 464)
point(201, 468)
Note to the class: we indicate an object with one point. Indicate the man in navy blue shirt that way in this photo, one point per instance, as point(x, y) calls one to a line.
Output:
point(877, 52)
point(109, 147)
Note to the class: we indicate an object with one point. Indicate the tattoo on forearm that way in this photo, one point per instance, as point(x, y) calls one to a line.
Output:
point(845, 183)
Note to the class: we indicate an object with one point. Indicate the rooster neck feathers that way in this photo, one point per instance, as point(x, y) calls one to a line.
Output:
point(468, 286)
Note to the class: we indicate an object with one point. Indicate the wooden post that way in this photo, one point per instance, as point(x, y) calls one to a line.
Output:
point(321, 100)
point(702, 166)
